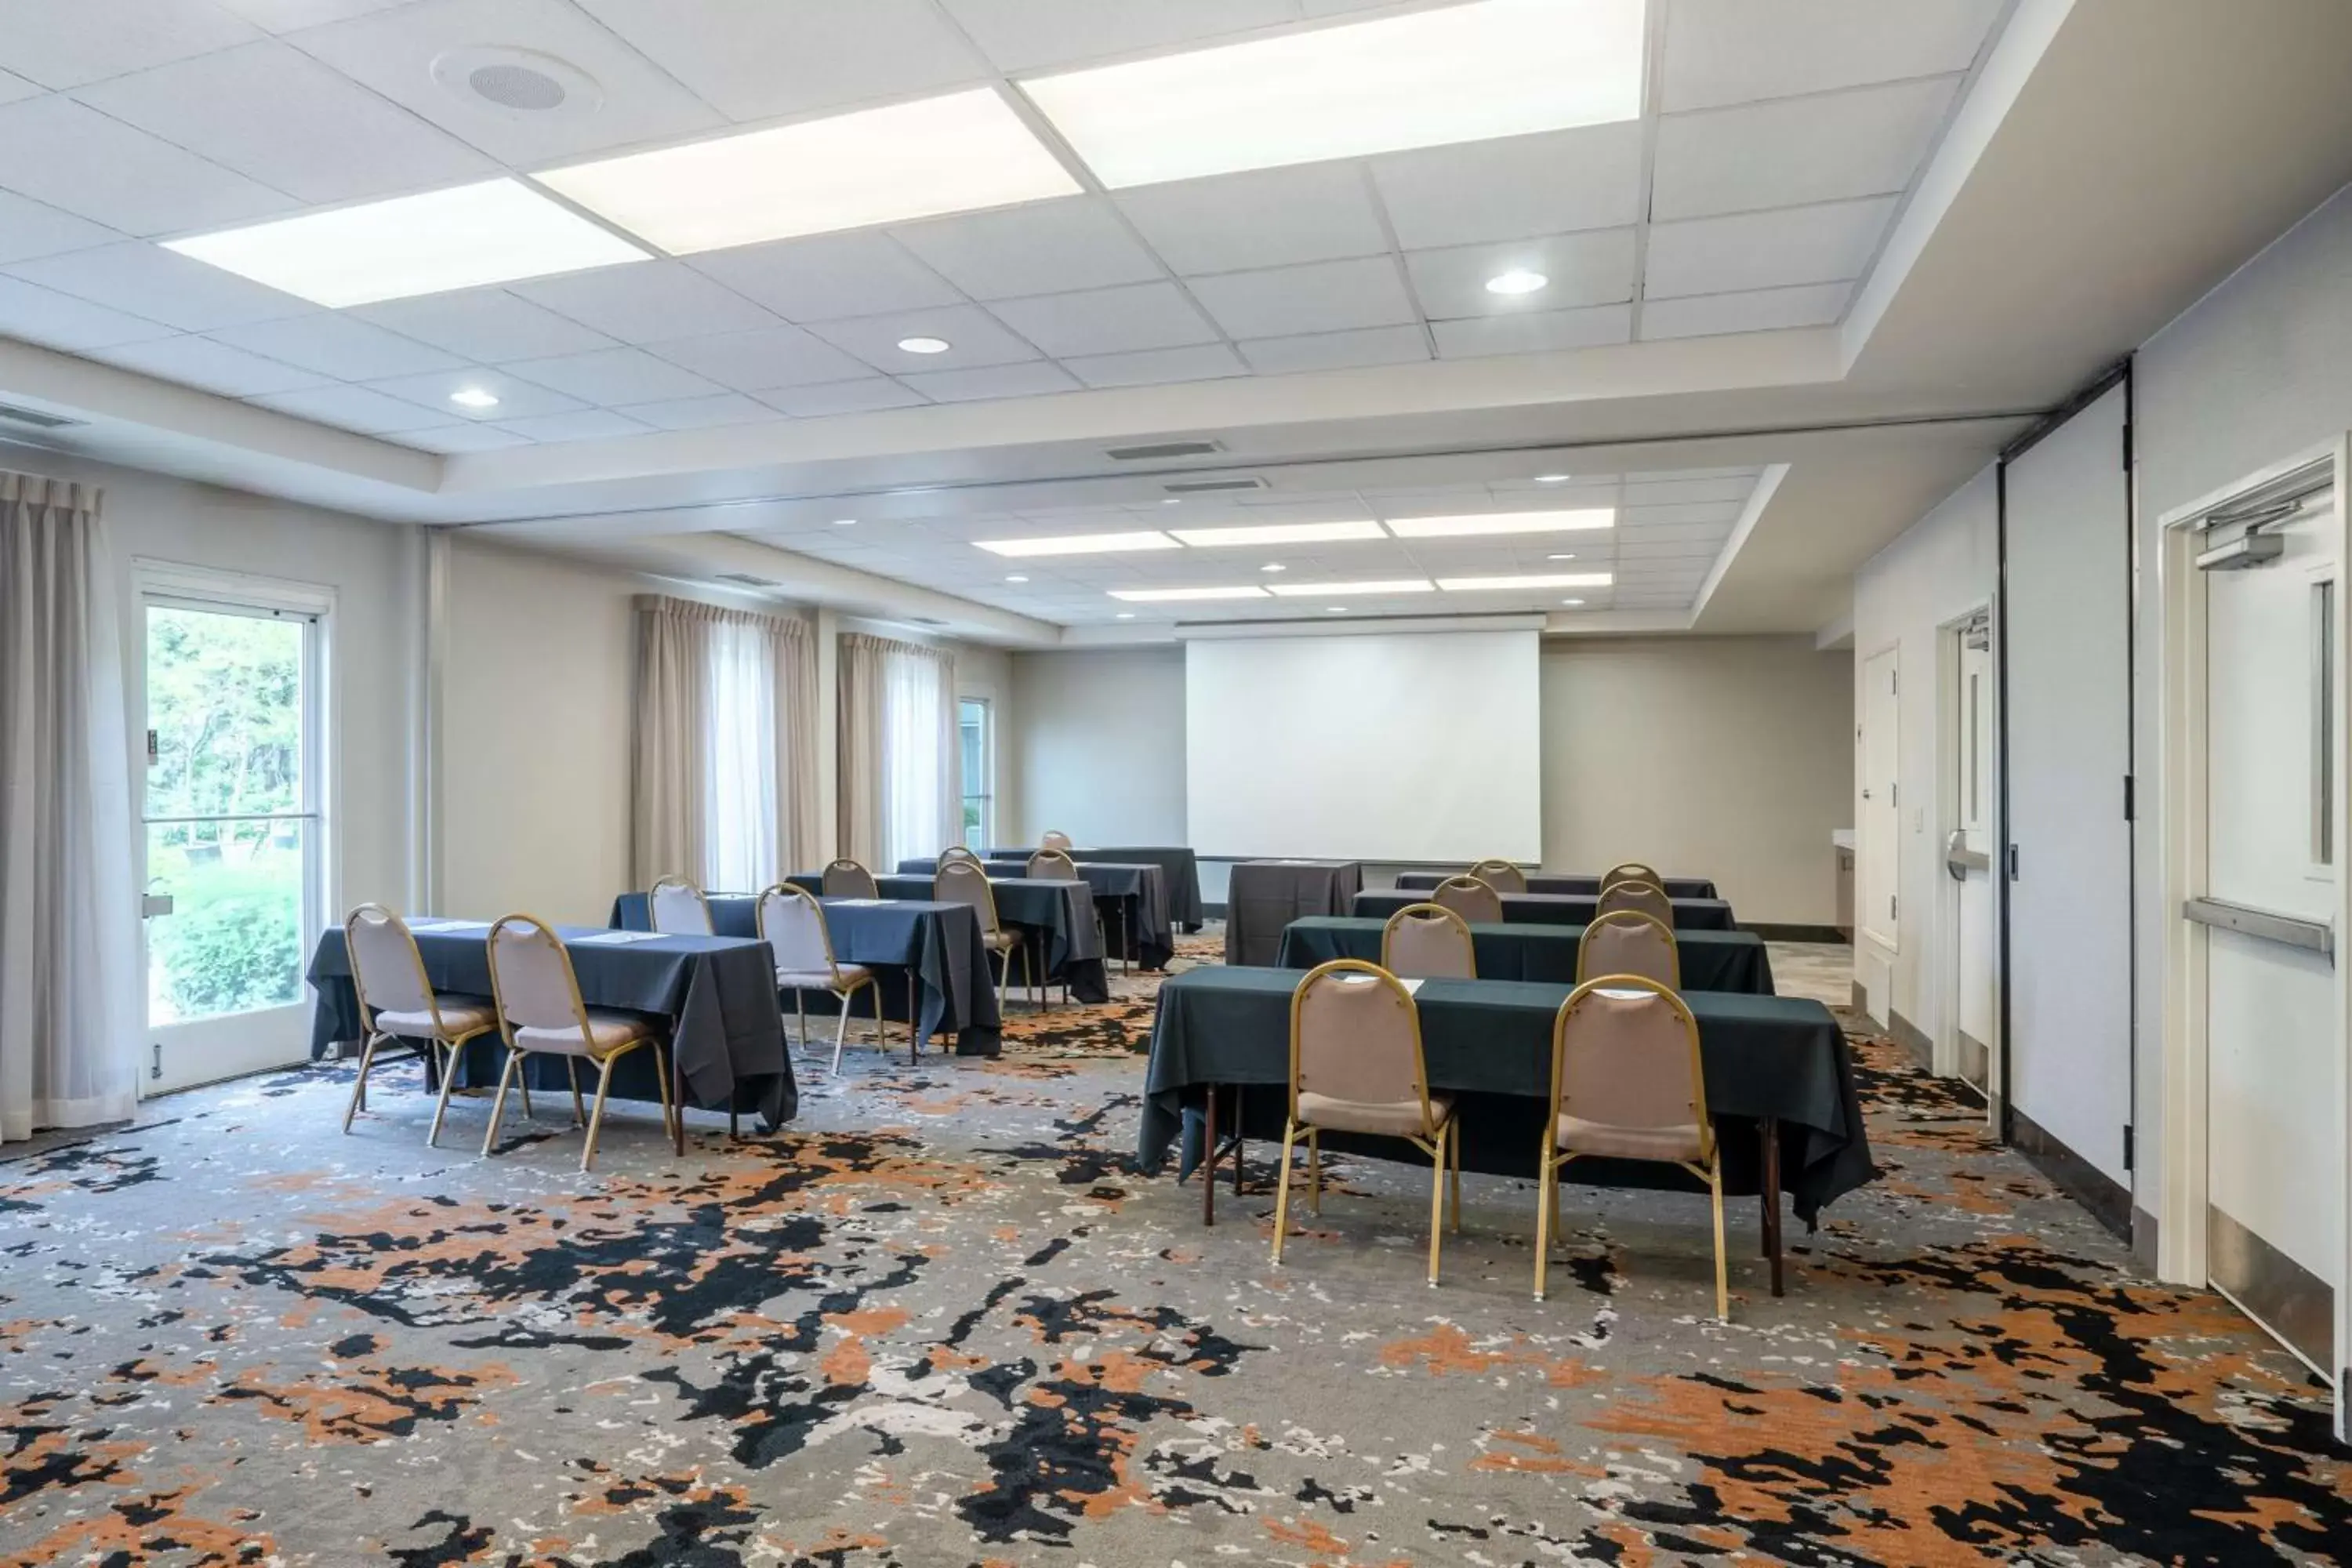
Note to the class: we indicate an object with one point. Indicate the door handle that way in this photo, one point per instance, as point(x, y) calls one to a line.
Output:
point(1959, 860)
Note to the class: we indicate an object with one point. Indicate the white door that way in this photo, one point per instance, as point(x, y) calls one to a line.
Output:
point(1881, 827)
point(1970, 854)
point(2275, 1186)
point(230, 846)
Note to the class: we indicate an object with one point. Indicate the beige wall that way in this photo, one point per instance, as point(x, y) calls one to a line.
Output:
point(1099, 745)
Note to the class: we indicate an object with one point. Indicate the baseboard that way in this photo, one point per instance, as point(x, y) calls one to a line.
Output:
point(2143, 1239)
point(1914, 1041)
point(1976, 1058)
point(1795, 932)
point(1861, 1005)
point(2109, 1201)
point(2279, 1293)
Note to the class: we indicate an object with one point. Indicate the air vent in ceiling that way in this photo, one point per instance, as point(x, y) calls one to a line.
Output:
point(745, 579)
point(517, 87)
point(518, 82)
point(1164, 450)
point(36, 418)
point(927, 620)
point(1211, 486)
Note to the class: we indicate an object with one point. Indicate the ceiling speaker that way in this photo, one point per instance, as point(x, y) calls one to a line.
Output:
point(518, 82)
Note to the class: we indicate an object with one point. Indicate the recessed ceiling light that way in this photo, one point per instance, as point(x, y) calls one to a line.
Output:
point(1273, 567)
point(1458, 73)
point(844, 522)
point(925, 345)
point(1016, 577)
point(1178, 595)
point(1532, 580)
point(1316, 590)
point(1553, 479)
point(1280, 534)
point(1517, 281)
point(1571, 601)
point(499, 231)
point(1335, 609)
point(1503, 522)
point(1173, 500)
point(1127, 615)
point(1559, 557)
point(955, 153)
point(474, 397)
point(1078, 544)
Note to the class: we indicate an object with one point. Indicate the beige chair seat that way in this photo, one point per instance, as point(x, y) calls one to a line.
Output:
point(460, 1016)
point(1631, 1142)
point(1399, 1119)
point(607, 1033)
point(844, 977)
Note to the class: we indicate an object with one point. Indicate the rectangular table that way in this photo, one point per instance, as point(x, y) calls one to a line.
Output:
point(716, 994)
point(1552, 908)
point(1711, 959)
point(937, 947)
point(1137, 892)
point(1179, 867)
point(1563, 882)
point(1777, 1072)
point(1061, 915)
point(1265, 896)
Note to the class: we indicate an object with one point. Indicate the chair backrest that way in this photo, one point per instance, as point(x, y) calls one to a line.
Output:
point(1501, 875)
point(1625, 1054)
point(1355, 1035)
point(848, 880)
point(1054, 838)
point(958, 852)
point(1646, 898)
point(388, 972)
point(966, 882)
point(1052, 866)
point(531, 975)
point(792, 922)
point(678, 907)
point(1428, 941)
point(1473, 899)
point(1630, 871)
point(1627, 941)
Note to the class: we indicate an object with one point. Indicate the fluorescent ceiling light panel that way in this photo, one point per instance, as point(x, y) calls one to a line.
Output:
point(1536, 580)
point(1279, 533)
point(1333, 590)
point(1179, 596)
point(1504, 522)
point(1079, 545)
point(499, 231)
point(951, 154)
point(1458, 73)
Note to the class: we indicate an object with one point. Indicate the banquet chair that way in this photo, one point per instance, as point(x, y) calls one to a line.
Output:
point(1630, 871)
point(397, 1004)
point(846, 878)
point(1428, 941)
point(966, 882)
point(1473, 899)
point(1055, 866)
point(792, 922)
point(1646, 898)
point(678, 909)
point(1628, 941)
point(1356, 1066)
point(960, 852)
point(1501, 875)
point(1627, 1083)
point(1054, 838)
point(541, 1014)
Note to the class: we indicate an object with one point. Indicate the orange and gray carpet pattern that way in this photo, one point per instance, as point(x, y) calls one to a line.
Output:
point(939, 1323)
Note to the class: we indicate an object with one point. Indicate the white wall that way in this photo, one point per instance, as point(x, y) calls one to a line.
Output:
point(1099, 745)
point(986, 673)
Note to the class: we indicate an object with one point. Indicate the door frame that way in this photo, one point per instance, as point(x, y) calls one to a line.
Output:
point(2183, 738)
point(1951, 720)
point(1888, 942)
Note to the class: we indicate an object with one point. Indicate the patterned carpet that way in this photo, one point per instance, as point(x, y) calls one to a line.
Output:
point(939, 1323)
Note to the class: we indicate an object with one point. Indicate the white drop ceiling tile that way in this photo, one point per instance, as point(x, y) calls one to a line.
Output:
point(866, 394)
point(828, 277)
point(394, 52)
point(69, 43)
point(339, 346)
point(216, 367)
point(588, 424)
point(489, 325)
point(1632, 530)
point(974, 338)
point(1270, 217)
point(771, 58)
point(271, 112)
point(1336, 351)
point(455, 438)
point(1756, 311)
point(1514, 187)
point(1824, 244)
point(78, 161)
point(1544, 331)
point(290, 15)
point(1666, 550)
point(1107, 320)
point(647, 303)
point(983, 382)
point(759, 362)
point(161, 285)
point(57, 320)
point(704, 412)
point(1684, 492)
point(1320, 297)
point(1021, 35)
point(518, 398)
point(1045, 247)
point(358, 408)
point(610, 377)
point(28, 228)
point(1202, 362)
point(1595, 268)
point(1793, 152)
point(1736, 51)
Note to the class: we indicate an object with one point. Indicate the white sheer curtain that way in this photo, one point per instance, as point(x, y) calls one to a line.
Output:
point(69, 984)
point(901, 790)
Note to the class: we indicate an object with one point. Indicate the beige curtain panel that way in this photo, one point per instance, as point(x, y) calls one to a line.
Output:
point(70, 983)
point(724, 787)
point(900, 796)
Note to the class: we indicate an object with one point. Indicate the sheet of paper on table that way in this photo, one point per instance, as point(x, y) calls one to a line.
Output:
point(856, 903)
point(615, 938)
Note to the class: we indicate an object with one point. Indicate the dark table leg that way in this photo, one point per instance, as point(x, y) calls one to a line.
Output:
point(1768, 1133)
point(1239, 1148)
point(1208, 1162)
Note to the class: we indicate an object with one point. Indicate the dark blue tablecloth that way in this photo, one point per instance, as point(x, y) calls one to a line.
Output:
point(1135, 896)
point(1554, 908)
point(1056, 919)
point(1178, 866)
point(1562, 882)
point(1711, 959)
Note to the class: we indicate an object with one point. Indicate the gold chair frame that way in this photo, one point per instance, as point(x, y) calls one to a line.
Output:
point(1466, 881)
point(1630, 871)
point(844, 994)
point(1004, 955)
point(957, 852)
point(1518, 875)
point(1630, 917)
point(1423, 913)
point(845, 864)
point(375, 1037)
point(673, 880)
point(673, 1116)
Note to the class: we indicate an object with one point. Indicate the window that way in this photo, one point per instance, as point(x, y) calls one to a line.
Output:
point(979, 800)
point(740, 759)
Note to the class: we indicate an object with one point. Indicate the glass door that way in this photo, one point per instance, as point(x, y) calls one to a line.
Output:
point(231, 837)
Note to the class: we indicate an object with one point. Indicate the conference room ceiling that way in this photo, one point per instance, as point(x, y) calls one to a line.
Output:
point(1728, 278)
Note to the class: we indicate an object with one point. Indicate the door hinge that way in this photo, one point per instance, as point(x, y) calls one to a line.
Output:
point(2127, 1145)
point(2127, 448)
point(1894, 907)
point(1893, 683)
point(1895, 794)
point(156, 1070)
point(2012, 862)
point(2130, 808)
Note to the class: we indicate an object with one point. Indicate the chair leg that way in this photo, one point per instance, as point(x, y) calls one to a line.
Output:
point(1314, 1171)
point(499, 1102)
point(1722, 1284)
point(673, 1109)
point(1453, 1135)
point(596, 1116)
point(1436, 1203)
point(800, 1013)
point(522, 1082)
point(1282, 1185)
point(359, 1084)
point(579, 1110)
point(1547, 1189)
point(441, 1105)
point(840, 1032)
